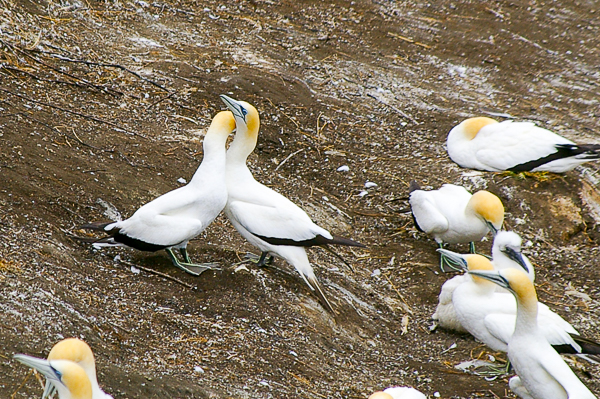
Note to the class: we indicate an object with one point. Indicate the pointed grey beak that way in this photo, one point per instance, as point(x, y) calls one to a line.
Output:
point(494, 277)
point(49, 390)
point(455, 258)
point(235, 107)
point(492, 228)
point(516, 257)
point(41, 365)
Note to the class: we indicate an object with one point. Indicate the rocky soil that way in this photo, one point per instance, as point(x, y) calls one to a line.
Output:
point(103, 105)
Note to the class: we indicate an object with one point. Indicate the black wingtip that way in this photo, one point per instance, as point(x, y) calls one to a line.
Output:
point(345, 241)
point(96, 226)
point(588, 346)
point(413, 186)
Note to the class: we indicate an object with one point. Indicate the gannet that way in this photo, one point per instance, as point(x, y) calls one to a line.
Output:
point(69, 378)
point(486, 144)
point(398, 393)
point(490, 316)
point(77, 351)
point(541, 372)
point(264, 217)
point(176, 217)
point(452, 215)
point(506, 253)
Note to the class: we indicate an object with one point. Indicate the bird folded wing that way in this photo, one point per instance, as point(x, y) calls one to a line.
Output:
point(428, 217)
point(500, 326)
point(515, 143)
point(275, 221)
point(553, 364)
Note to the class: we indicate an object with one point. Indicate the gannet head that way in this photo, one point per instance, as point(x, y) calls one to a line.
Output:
point(470, 127)
point(68, 377)
point(509, 244)
point(489, 208)
point(514, 280)
point(381, 395)
point(222, 122)
point(245, 115)
point(77, 351)
point(468, 262)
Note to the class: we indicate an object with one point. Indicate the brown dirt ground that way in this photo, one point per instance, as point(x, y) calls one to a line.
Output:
point(374, 85)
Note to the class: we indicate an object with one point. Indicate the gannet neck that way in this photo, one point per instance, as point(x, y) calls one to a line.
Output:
point(486, 206)
point(469, 128)
point(527, 303)
point(246, 135)
point(214, 144)
point(77, 351)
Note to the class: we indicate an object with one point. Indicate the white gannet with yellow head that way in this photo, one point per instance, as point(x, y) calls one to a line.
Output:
point(398, 393)
point(68, 378)
point(77, 351)
point(490, 315)
point(265, 218)
point(171, 220)
point(453, 215)
point(486, 144)
point(506, 253)
point(541, 372)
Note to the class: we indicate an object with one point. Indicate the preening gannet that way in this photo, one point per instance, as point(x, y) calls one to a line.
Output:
point(485, 144)
point(506, 253)
point(490, 315)
point(541, 372)
point(265, 218)
point(398, 393)
point(69, 378)
point(176, 217)
point(452, 215)
point(77, 351)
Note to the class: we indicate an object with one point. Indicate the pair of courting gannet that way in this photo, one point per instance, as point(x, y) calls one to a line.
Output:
point(486, 144)
point(490, 315)
point(398, 393)
point(506, 253)
point(453, 215)
point(541, 372)
point(171, 220)
point(70, 370)
point(265, 218)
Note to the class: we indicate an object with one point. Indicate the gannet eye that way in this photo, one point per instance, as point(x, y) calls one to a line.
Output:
point(244, 111)
point(58, 374)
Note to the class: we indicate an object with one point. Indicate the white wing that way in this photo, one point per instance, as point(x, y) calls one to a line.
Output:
point(426, 213)
point(504, 145)
point(555, 366)
point(267, 213)
point(502, 326)
point(174, 217)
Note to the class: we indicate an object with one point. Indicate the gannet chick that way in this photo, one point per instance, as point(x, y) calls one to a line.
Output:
point(398, 393)
point(445, 315)
point(490, 316)
point(77, 351)
point(485, 144)
point(69, 378)
point(452, 215)
point(541, 372)
point(176, 217)
point(506, 253)
point(265, 218)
